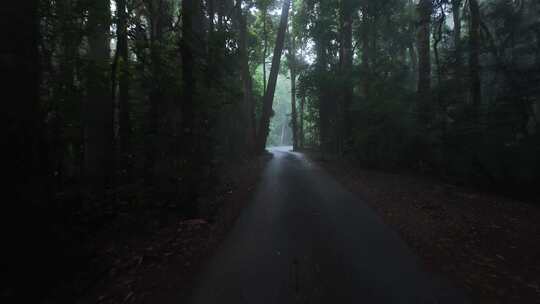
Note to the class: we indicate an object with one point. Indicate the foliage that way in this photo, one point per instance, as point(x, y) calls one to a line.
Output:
point(495, 142)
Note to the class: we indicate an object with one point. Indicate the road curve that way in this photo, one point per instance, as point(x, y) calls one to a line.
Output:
point(305, 239)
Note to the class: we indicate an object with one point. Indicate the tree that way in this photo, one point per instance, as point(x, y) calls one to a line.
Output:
point(292, 69)
point(265, 50)
point(365, 48)
point(155, 128)
point(346, 62)
point(25, 161)
point(474, 61)
point(456, 14)
point(99, 146)
point(26, 156)
point(248, 106)
point(190, 44)
point(425, 8)
point(301, 135)
point(121, 64)
point(269, 94)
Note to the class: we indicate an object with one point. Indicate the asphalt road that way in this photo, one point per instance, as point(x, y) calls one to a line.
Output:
point(305, 239)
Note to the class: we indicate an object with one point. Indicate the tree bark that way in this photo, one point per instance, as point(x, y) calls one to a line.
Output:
point(301, 138)
point(211, 14)
point(292, 68)
point(247, 84)
point(188, 80)
point(458, 47)
point(265, 48)
point(194, 142)
point(437, 38)
point(456, 12)
point(155, 131)
point(425, 8)
point(25, 158)
point(365, 51)
point(324, 102)
point(124, 124)
point(272, 81)
point(188, 106)
point(99, 147)
point(346, 61)
point(25, 163)
point(474, 61)
point(66, 90)
point(414, 63)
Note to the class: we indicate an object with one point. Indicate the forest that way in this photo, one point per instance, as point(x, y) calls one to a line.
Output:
point(144, 107)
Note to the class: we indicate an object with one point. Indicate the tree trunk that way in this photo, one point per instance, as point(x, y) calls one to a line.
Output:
point(265, 48)
point(458, 48)
point(414, 63)
point(425, 8)
point(65, 164)
point(346, 61)
point(282, 137)
point(25, 158)
point(365, 52)
point(211, 14)
point(474, 61)
point(301, 139)
point(248, 106)
point(324, 106)
point(124, 123)
point(188, 80)
point(294, 124)
point(292, 70)
point(194, 140)
point(155, 146)
point(272, 81)
point(25, 163)
point(188, 106)
point(456, 12)
point(99, 147)
point(437, 38)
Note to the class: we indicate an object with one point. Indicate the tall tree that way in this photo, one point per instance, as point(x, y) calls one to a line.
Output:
point(194, 137)
point(122, 67)
point(425, 8)
point(458, 46)
point(67, 156)
point(264, 5)
point(346, 61)
point(325, 131)
point(292, 70)
point(272, 81)
point(301, 135)
point(25, 155)
point(437, 39)
point(456, 15)
point(474, 61)
point(188, 99)
point(248, 102)
point(265, 44)
point(365, 48)
point(99, 147)
point(25, 162)
point(156, 95)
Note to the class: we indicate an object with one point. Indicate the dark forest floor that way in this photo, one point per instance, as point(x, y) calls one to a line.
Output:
point(487, 244)
point(153, 256)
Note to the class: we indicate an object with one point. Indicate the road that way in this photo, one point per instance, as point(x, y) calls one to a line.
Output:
point(306, 239)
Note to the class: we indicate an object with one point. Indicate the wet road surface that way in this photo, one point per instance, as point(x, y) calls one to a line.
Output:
point(306, 239)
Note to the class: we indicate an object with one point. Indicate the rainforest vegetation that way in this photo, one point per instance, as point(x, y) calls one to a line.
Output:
point(115, 103)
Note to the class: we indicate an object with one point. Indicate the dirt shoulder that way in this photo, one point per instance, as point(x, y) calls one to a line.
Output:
point(155, 257)
point(486, 244)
